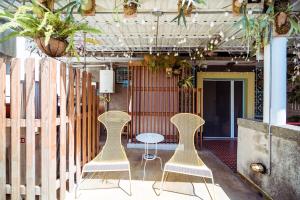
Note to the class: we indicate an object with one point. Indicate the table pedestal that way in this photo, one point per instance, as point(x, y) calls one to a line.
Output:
point(150, 156)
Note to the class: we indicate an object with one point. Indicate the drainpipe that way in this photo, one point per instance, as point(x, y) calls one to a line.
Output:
point(270, 108)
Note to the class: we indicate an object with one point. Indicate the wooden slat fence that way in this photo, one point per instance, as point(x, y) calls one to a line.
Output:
point(42, 151)
point(153, 99)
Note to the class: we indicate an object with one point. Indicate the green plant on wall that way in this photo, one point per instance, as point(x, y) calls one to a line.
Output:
point(38, 22)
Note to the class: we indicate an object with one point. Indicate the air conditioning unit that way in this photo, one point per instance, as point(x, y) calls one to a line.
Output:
point(107, 81)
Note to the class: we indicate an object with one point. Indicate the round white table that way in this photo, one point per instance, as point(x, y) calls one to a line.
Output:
point(150, 138)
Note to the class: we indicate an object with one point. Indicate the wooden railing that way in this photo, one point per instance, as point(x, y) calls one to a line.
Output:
point(47, 135)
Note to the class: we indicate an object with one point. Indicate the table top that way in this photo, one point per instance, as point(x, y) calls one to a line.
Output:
point(150, 138)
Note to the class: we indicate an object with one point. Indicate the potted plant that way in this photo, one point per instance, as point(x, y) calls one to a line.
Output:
point(53, 33)
point(285, 22)
point(186, 6)
point(186, 82)
point(185, 9)
point(130, 7)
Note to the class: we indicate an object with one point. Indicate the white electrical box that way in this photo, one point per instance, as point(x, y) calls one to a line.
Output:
point(107, 81)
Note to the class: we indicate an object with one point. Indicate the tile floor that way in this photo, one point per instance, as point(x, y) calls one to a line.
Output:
point(225, 150)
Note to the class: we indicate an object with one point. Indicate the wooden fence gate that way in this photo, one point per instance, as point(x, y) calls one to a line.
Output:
point(48, 127)
point(153, 99)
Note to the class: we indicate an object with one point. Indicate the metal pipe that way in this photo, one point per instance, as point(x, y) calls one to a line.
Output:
point(270, 106)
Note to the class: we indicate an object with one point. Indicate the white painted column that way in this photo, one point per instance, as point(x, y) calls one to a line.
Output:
point(275, 81)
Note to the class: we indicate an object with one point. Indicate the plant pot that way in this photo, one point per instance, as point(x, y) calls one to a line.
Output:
point(130, 9)
point(236, 7)
point(169, 72)
point(187, 11)
point(147, 58)
point(55, 48)
point(282, 24)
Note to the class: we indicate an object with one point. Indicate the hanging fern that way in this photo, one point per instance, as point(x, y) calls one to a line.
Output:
point(36, 21)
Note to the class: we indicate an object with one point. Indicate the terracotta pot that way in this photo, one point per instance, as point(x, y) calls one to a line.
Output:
point(130, 9)
point(282, 24)
point(55, 48)
point(147, 58)
point(187, 11)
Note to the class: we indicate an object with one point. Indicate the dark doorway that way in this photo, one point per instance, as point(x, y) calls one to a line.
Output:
point(222, 105)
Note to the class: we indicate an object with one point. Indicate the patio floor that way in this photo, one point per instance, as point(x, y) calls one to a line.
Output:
point(225, 150)
point(228, 184)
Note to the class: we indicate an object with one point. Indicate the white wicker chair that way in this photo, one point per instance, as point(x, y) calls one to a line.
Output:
point(185, 159)
point(113, 156)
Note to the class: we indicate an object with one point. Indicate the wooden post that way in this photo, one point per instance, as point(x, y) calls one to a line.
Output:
point(78, 127)
point(71, 128)
point(63, 131)
point(94, 123)
point(30, 128)
point(2, 131)
point(15, 128)
point(97, 123)
point(89, 115)
point(84, 118)
point(48, 128)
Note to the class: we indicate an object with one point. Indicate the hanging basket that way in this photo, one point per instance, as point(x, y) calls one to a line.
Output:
point(130, 9)
point(187, 11)
point(282, 24)
point(55, 48)
point(169, 72)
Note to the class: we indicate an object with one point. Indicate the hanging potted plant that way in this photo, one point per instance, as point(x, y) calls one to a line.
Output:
point(186, 6)
point(185, 9)
point(285, 21)
point(130, 7)
point(53, 33)
point(168, 62)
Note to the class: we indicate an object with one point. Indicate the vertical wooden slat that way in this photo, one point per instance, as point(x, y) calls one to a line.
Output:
point(143, 100)
point(71, 128)
point(78, 127)
point(139, 97)
point(131, 104)
point(89, 116)
point(97, 123)
point(128, 90)
point(15, 128)
point(30, 129)
point(2, 131)
point(133, 110)
point(84, 133)
point(48, 129)
point(94, 122)
point(150, 100)
point(63, 131)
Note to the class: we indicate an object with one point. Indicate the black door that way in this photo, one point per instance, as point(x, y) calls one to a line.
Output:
point(216, 108)
point(217, 111)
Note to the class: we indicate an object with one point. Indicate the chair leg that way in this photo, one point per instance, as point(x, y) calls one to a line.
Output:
point(78, 184)
point(162, 181)
point(213, 185)
point(129, 173)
